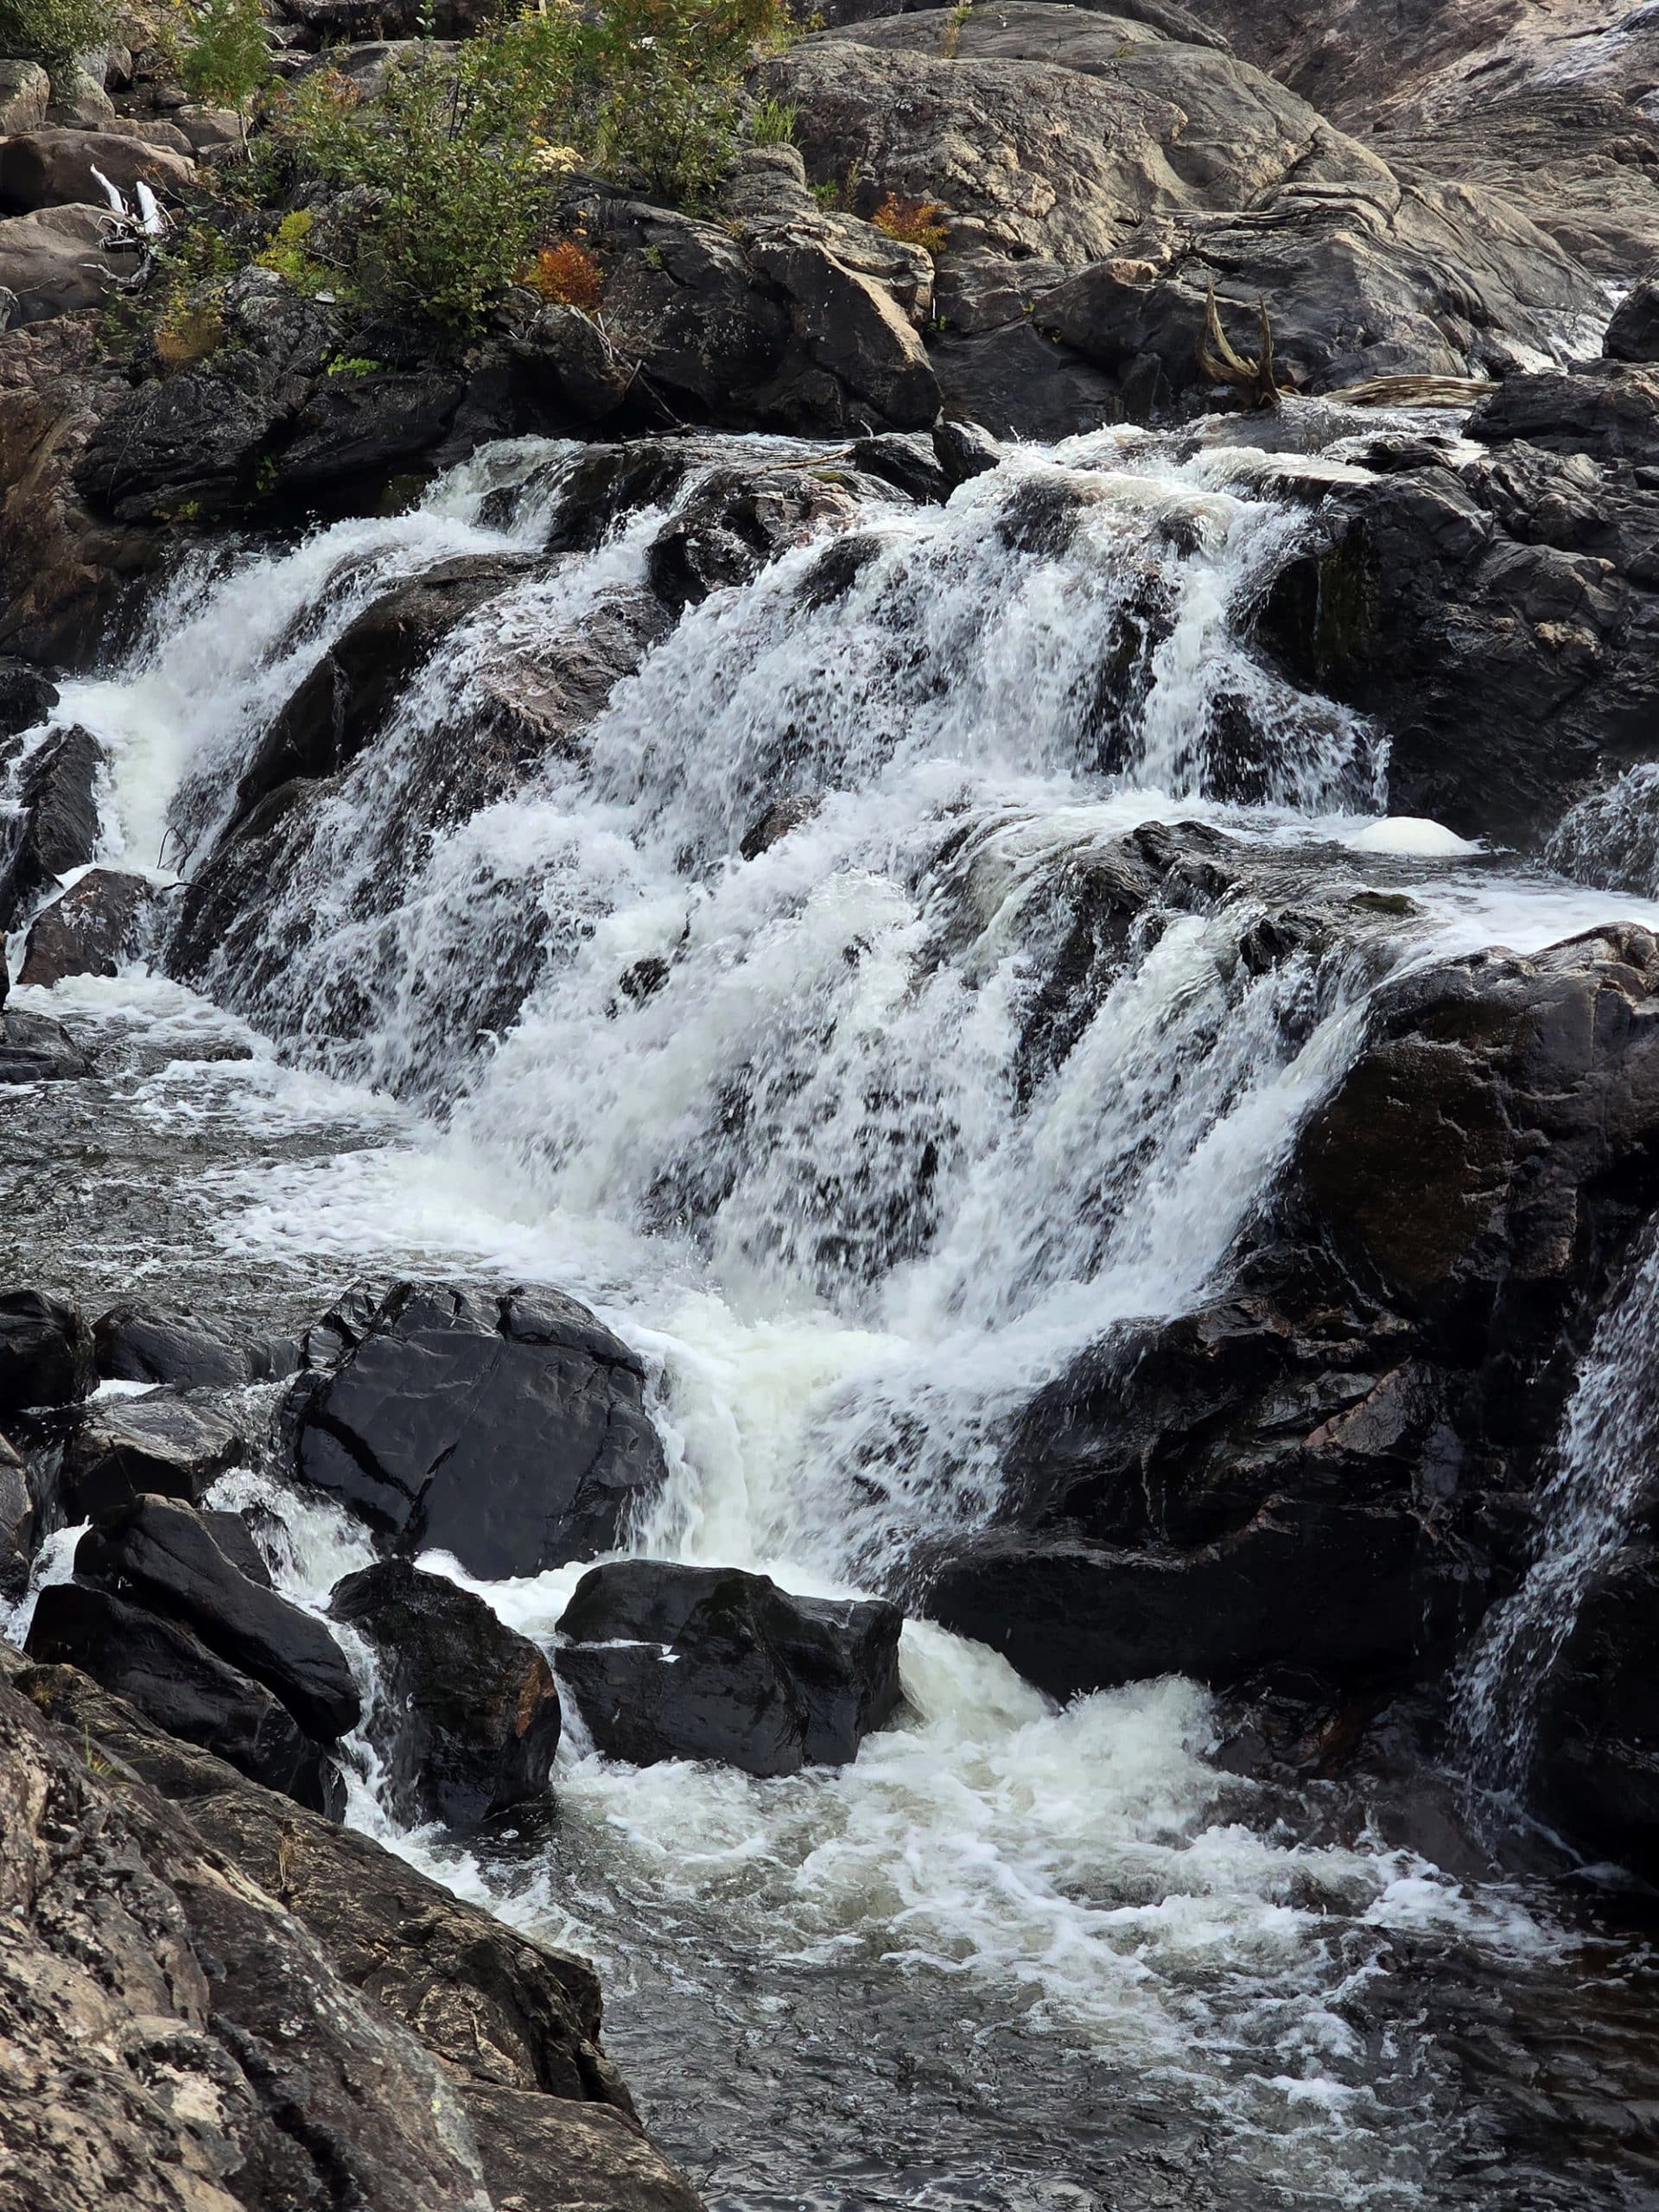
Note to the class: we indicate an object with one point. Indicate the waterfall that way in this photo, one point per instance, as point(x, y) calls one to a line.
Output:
point(1603, 1466)
point(876, 999)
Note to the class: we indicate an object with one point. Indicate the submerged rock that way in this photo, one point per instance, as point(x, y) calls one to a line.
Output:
point(704, 1662)
point(474, 1713)
point(176, 1682)
point(160, 1554)
point(508, 1429)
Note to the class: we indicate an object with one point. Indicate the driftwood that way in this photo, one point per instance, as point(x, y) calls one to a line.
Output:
point(1220, 362)
point(1414, 391)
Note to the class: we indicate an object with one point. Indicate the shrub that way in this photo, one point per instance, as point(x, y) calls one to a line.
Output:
point(187, 331)
point(567, 274)
point(772, 123)
point(56, 32)
point(220, 51)
point(288, 250)
point(912, 222)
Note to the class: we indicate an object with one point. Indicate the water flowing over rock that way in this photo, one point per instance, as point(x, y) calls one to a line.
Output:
point(475, 1717)
point(508, 1430)
point(704, 1662)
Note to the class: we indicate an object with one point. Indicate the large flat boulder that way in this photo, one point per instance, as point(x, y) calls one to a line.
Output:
point(507, 1429)
point(53, 169)
point(703, 1663)
point(471, 1718)
point(53, 261)
point(159, 1443)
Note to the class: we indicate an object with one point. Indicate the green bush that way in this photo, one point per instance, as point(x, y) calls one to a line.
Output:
point(56, 32)
point(221, 52)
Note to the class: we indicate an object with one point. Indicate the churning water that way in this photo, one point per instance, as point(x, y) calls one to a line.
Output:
point(798, 1125)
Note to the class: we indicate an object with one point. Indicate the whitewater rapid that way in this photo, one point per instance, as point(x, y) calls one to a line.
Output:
point(811, 1176)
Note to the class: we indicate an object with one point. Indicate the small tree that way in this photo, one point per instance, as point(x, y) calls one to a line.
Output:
point(55, 32)
point(222, 53)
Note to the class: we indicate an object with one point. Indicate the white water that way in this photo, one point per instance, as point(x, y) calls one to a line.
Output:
point(824, 1178)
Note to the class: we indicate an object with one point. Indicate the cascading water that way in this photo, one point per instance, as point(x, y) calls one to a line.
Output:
point(1605, 1462)
point(811, 1120)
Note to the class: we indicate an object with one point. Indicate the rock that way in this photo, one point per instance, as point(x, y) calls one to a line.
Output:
point(965, 450)
point(18, 1524)
point(194, 441)
point(34, 1049)
point(712, 1663)
point(511, 2020)
point(65, 574)
point(771, 828)
point(160, 1555)
point(27, 699)
point(1020, 384)
point(508, 1430)
point(91, 930)
point(1609, 409)
point(235, 1539)
point(1597, 1761)
point(852, 328)
point(348, 695)
point(123, 1448)
point(173, 1679)
point(353, 430)
point(137, 1343)
point(194, 2036)
point(79, 101)
point(53, 169)
point(1633, 334)
point(1497, 617)
point(736, 521)
point(45, 1351)
point(51, 261)
point(564, 354)
point(475, 1721)
point(57, 828)
point(25, 89)
point(1318, 1473)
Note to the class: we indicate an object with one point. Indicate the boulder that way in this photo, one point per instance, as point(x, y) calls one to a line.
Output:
point(351, 430)
point(735, 521)
point(95, 925)
point(851, 327)
point(1608, 409)
point(564, 356)
point(26, 697)
point(195, 442)
point(176, 1682)
point(54, 261)
point(25, 90)
point(473, 1718)
point(34, 1049)
point(178, 2036)
point(51, 168)
point(508, 1429)
point(123, 1448)
point(1596, 1770)
point(45, 1351)
point(701, 1662)
point(1633, 334)
point(1498, 615)
point(137, 1343)
point(160, 1555)
point(57, 829)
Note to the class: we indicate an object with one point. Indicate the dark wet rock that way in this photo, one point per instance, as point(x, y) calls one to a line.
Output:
point(1021, 385)
point(95, 925)
point(965, 450)
point(230, 1532)
point(508, 1429)
point(910, 462)
point(123, 1448)
point(197, 2041)
point(1327, 1471)
point(737, 520)
point(137, 1343)
point(35, 1049)
point(176, 1682)
point(192, 443)
point(57, 829)
point(345, 699)
point(1633, 334)
point(771, 828)
point(1608, 409)
point(1597, 1719)
point(499, 2007)
point(700, 1662)
point(160, 1555)
point(26, 697)
point(565, 355)
point(19, 1524)
point(363, 428)
point(1498, 617)
point(474, 1714)
point(45, 1351)
point(50, 169)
